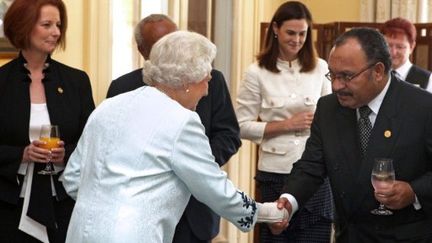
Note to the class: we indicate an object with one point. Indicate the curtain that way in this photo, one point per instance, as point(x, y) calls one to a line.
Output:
point(417, 11)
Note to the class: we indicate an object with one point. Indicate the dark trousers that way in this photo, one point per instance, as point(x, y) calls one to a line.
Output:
point(311, 225)
point(10, 215)
point(367, 232)
point(184, 234)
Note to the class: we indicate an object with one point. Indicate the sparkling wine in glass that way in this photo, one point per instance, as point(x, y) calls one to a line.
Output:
point(383, 176)
point(51, 136)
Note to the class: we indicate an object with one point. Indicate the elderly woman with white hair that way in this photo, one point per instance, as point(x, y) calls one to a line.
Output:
point(143, 153)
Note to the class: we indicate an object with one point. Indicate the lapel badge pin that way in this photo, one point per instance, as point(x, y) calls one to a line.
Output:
point(60, 90)
point(387, 133)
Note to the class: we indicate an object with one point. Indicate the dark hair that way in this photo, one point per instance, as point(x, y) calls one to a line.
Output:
point(22, 16)
point(372, 43)
point(307, 56)
point(152, 18)
point(400, 26)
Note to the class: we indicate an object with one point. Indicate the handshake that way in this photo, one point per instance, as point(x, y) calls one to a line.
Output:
point(268, 212)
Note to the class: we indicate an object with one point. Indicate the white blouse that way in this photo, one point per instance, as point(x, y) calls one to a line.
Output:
point(275, 97)
point(38, 117)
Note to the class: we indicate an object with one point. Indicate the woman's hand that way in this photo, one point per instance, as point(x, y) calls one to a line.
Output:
point(58, 154)
point(35, 153)
point(300, 121)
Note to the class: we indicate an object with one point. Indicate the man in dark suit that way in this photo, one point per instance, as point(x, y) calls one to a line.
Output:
point(198, 223)
point(146, 33)
point(401, 35)
point(401, 129)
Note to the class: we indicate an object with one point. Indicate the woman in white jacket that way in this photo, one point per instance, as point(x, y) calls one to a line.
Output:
point(143, 153)
point(275, 107)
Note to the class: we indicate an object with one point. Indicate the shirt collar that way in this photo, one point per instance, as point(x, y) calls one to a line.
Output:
point(288, 64)
point(404, 69)
point(375, 104)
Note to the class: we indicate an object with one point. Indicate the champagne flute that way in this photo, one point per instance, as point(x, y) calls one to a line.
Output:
point(383, 176)
point(51, 136)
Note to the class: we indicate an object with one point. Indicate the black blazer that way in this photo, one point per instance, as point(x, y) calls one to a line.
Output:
point(126, 83)
point(333, 150)
point(221, 127)
point(69, 101)
point(419, 76)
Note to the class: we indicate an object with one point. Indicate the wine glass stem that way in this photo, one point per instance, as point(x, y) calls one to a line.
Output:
point(381, 206)
point(49, 166)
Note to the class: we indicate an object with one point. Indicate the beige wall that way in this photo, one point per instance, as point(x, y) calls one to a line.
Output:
point(88, 42)
point(73, 55)
point(333, 10)
point(323, 11)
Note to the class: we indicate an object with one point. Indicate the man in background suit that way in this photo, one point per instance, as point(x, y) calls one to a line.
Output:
point(147, 32)
point(198, 223)
point(401, 121)
point(401, 35)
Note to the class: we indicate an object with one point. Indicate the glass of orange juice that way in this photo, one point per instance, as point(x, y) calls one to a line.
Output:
point(51, 136)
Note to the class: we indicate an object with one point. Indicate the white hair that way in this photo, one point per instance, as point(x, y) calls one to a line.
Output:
point(179, 58)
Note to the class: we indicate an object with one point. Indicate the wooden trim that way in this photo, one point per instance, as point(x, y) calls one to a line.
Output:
point(7, 51)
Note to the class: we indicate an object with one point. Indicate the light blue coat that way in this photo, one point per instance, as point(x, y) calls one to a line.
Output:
point(139, 159)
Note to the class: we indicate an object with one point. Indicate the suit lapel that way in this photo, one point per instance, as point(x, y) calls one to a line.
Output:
point(350, 159)
point(348, 137)
point(387, 125)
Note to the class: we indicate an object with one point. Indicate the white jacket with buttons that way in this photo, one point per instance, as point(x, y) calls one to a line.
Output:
point(275, 97)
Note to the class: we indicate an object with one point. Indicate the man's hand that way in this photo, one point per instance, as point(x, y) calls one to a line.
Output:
point(277, 228)
point(397, 196)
